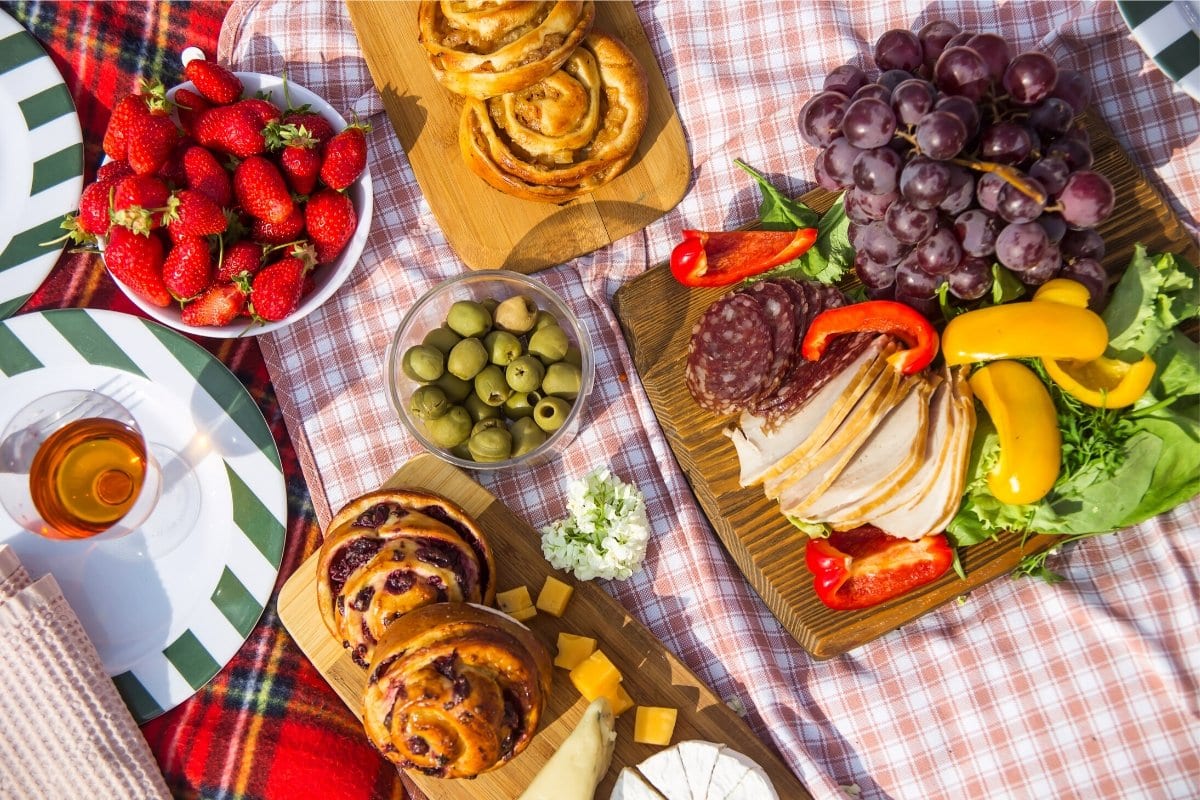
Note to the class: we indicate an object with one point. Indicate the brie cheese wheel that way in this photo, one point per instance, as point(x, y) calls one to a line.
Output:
point(698, 759)
point(665, 772)
point(631, 786)
point(698, 770)
point(575, 769)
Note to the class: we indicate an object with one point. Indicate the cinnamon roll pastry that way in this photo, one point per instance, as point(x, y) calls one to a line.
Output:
point(565, 136)
point(455, 690)
point(482, 48)
point(392, 551)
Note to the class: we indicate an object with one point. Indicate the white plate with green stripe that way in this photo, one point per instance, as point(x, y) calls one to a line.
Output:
point(163, 626)
point(1169, 32)
point(41, 163)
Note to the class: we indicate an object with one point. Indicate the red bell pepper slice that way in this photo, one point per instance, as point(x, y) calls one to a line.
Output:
point(876, 316)
point(864, 567)
point(722, 258)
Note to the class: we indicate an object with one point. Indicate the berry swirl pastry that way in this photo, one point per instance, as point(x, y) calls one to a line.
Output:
point(455, 690)
point(392, 551)
point(482, 49)
point(563, 137)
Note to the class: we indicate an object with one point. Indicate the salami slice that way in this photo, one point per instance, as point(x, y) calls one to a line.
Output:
point(729, 355)
point(780, 313)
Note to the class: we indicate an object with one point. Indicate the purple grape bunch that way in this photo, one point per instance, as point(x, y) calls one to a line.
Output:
point(960, 154)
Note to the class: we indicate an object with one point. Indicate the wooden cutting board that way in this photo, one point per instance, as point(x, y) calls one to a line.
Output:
point(489, 229)
point(657, 315)
point(652, 675)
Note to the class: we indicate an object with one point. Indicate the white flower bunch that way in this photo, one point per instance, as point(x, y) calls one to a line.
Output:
point(605, 532)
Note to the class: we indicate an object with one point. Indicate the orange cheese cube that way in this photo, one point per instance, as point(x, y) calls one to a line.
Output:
point(620, 701)
point(596, 676)
point(572, 650)
point(522, 614)
point(554, 596)
point(514, 600)
point(654, 725)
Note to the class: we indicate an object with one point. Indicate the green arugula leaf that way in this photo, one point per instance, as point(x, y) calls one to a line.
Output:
point(831, 254)
point(1005, 286)
point(949, 310)
point(777, 212)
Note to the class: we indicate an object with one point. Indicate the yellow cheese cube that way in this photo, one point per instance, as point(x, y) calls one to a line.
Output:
point(514, 600)
point(554, 596)
point(654, 725)
point(572, 650)
point(595, 676)
point(522, 614)
point(620, 701)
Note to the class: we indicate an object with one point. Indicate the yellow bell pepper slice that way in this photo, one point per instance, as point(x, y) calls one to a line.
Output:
point(1103, 382)
point(1025, 419)
point(1044, 329)
point(1065, 291)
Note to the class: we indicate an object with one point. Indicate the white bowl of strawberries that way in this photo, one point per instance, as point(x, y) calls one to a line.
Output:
point(231, 205)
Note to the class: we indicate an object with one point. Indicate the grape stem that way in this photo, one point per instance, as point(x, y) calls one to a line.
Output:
point(1008, 174)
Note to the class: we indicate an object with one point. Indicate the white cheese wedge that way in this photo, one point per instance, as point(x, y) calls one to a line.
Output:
point(664, 770)
point(575, 769)
point(631, 786)
point(751, 783)
point(727, 774)
point(698, 759)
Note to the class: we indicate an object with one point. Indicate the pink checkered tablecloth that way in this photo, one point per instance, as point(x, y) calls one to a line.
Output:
point(1084, 689)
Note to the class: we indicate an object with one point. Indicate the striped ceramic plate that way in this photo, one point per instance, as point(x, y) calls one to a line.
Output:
point(41, 163)
point(1169, 32)
point(164, 625)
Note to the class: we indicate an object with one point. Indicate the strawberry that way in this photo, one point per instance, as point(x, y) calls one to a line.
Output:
point(261, 190)
point(187, 269)
point(240, 258)
point(278, 232)
point(330, 221)
point(93, 209)
point(112, 171)
point(136, 260)
point(277, 288)
point(190, 106)
point(213, 81)
point(151, 141)
point(220, 305)
point(191, 213)
point(127, 109)
point(300, 160)
point(231, 129)
point(137, 201)
point(345, 157)
point(264, 110)
point(318, 127)
point(203, 173)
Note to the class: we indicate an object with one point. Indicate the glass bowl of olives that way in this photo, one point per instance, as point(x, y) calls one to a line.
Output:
point(491, 370)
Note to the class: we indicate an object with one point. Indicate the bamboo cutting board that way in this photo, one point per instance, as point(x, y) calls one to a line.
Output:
point(657, 315)
point(489, 229)
point(652, 675)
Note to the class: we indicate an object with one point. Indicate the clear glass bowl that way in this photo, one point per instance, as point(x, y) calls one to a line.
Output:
point(429, 312)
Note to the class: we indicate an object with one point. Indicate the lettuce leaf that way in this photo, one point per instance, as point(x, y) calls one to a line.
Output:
point(1155, 295)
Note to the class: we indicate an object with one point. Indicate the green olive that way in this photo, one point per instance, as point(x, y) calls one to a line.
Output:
point(423, 363)
point(490, 304)
point(520, 404)
point(442, 338)
point(574, 356)
point(527, 436)
point(467, 358)
point(525, 374)
point(493, 444)
point(478, 409)
point(502, 347)
point(490, 386)
point(456, 388)
point(549, 344)
point(462, 451)
point(450, 429)
point(429, 402)
point(517, 314)
point(487, 424)
point(562, 380)
point(545, 320)
point(551, 413)
point(468, 318)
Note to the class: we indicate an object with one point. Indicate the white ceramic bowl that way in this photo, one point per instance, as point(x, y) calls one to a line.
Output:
point(327, 277)
point(429, 312)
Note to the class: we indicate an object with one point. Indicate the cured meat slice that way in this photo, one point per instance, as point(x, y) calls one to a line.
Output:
point(780, 313)
point(729, 354)
point(806, 378)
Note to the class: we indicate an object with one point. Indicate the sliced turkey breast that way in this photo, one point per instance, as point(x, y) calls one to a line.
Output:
point(762, 446)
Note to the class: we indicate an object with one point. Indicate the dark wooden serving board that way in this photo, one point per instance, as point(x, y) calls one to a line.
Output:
point(489, 229)
point(657, 315)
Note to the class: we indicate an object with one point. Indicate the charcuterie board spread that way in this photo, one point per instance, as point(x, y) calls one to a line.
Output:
point(652, 675)
point(487, 228)
point(658, 314)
